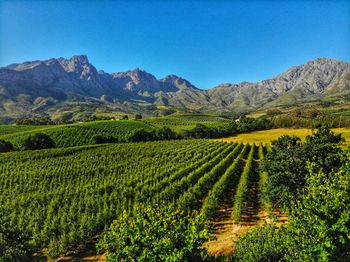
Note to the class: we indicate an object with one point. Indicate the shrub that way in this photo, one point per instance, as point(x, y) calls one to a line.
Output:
point(13, 243)
point(38, 141)
point(264, 243)
point(156, 234)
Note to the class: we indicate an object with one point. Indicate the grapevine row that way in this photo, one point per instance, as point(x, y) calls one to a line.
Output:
point(242, 189)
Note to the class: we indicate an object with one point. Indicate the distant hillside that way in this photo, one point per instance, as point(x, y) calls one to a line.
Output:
point(73, 88)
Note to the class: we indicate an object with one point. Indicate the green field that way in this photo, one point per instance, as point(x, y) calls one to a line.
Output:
point(266, 136)
point(187, 122)
point(83, 133)
point(77, 134)
point(64, 197)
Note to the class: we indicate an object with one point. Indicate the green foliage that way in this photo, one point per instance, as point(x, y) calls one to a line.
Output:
point(5, 146)
point(38, 141)
point(264, 243)
point(183, 123)
point(320, 220)
point(321, 149)
point(65, 196)
point(314, 120)
point(247, 124)
point(102, 139)
point(81, 134)
point(189, 200)
point(228, 180)
point(13, 243)
point(35, 120)
point(242, 188)
point(286, 163)
point(165, 133)
point(138, 117)
point(156, 234)
point(319, 223)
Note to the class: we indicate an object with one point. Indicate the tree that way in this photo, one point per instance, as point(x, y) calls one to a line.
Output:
point(286, 163)
point(165, 133)
point(5, 146)
point(319, 223)
point(101, 139)
point(138, 116)
point(142, 135)
point(156, 234)
point(322, 149)
point(125, 117)
point(202, 131)
point(38, 141)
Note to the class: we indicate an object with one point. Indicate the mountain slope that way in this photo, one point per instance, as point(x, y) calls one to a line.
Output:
point(62, 84)
point(313, 80)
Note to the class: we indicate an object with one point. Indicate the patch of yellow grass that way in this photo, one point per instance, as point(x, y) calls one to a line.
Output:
point(266, 136)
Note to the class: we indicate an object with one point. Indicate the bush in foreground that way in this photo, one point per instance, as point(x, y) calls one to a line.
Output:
point(156, 234)
point(13, 243)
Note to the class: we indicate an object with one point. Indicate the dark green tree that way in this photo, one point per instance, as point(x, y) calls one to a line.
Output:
point(138, 116)
point(38, 141)
point(319, 227)
point(101, 139)
point(165, 133)
point(322, 149)
point(286, 163)
point(5, 146)
point(142, 135)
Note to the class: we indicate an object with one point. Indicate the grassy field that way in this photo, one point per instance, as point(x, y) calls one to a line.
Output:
point(266, 136)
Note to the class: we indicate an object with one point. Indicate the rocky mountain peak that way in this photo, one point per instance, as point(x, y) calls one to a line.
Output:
point(81, 59)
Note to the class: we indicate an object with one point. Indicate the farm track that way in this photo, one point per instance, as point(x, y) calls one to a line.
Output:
point(226, 231)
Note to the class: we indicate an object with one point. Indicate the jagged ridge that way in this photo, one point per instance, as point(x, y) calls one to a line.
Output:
point(53, 81)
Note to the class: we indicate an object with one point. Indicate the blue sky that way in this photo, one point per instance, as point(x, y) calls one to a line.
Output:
point(206, 42)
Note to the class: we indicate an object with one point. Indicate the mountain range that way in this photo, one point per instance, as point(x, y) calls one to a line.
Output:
point(67, 87)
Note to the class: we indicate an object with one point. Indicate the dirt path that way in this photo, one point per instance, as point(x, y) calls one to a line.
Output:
point(227, 232)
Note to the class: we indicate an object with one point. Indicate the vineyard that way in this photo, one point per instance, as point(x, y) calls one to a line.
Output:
point(186, 122)
point(80, 134)
point(66, 196)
